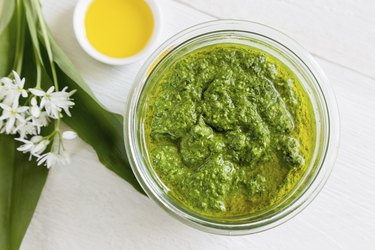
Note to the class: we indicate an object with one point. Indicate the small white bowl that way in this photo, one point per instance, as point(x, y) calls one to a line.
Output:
point(80, 33)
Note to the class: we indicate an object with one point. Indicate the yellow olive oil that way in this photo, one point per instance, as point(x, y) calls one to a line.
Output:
point(119, 28)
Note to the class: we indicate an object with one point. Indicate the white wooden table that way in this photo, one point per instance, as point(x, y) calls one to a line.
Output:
point(85, 206)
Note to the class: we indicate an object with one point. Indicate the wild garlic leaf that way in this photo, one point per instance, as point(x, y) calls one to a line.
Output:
point(21, 184)
point(21, 181)
point(102, 129)
point(31, 24)
point(7, 37)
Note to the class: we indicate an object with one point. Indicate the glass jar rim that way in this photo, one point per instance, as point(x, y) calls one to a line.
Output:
point(136, 159)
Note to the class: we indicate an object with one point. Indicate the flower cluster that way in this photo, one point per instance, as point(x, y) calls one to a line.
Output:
point(24, 112)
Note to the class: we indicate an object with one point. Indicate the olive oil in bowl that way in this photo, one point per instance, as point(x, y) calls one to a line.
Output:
point(117, 31)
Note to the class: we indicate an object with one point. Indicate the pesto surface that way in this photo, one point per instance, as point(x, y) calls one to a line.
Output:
point(229, 130)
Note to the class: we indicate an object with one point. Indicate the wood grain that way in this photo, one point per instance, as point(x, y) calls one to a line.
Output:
point(85, 206)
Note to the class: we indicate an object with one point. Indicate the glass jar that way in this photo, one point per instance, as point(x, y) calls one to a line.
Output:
point(293, 56)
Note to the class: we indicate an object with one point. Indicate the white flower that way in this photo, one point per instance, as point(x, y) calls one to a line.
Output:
point(12, 114)
point(69, 135)
point(62, 99)
point(26, 128)
point(49, 159)
point(29, 119)
point(26, 147)
point(36, 146)
point(41, 121)
point(40, 146)
point(12, 89)
point(54, 102)
point(35, 109)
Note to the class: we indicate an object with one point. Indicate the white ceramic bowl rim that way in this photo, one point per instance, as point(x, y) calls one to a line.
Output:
point(80, 33)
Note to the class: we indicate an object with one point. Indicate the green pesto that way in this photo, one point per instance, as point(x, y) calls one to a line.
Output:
point(229, 130)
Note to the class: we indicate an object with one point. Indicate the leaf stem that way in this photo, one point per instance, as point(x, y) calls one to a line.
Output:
point(53, 135)
point(20, 39)
point(38, 72)
point(46, 41)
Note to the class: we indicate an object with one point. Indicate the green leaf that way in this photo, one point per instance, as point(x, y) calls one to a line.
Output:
point(7, 37)
point(7, 11)
point(102, 129)
point(32, 24)
point(21, 183)
point(98, 127)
